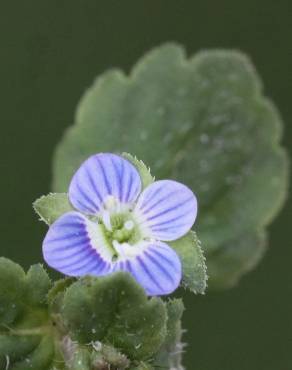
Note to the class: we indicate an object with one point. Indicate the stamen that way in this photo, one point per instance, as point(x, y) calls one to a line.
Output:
point(106, 218)
point(116, 244)
point(129, 225)
point(119, 248)
point(111, 203)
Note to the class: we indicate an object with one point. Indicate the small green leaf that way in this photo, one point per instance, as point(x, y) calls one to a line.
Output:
point(38, 285)
point(39, 359)
point(175, 309)
point(143, 170)
point(14, 347)
point(26, 342)
point(198, 121)
point(51, 207)
point(12, 291)
point(170, 354)
point(56, 293)
point(115, 310)
point(193, 262)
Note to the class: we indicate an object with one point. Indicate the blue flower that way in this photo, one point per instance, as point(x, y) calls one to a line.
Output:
point(117, 226)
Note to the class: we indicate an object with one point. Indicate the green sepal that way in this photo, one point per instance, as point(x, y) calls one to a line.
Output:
point(144, 171)
point(193, 262)
point(115, 310)
point(51, 207)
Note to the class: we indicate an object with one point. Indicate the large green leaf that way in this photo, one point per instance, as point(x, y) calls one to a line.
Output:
point(203, 121)
point(26, 340)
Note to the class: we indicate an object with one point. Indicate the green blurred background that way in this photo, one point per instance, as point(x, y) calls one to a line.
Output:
point(51, 51)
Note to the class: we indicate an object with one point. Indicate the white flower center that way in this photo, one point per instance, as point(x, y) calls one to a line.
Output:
point(129, 225)
point(111, 203)
point(119, 233)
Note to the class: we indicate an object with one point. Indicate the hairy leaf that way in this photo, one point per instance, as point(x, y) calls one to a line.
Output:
point(193, 262)
point(143, 170)
point(52, 206)
point(170, 354)
point(115, 310)
point(203, 121)
point(38, 285)
point(26, 342)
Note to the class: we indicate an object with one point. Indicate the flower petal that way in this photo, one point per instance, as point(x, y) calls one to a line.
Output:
point(166, 210)
point(75, 246)
point(157, 268)
point(100, 176)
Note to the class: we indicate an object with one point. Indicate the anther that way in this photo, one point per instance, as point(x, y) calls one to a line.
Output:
point(129, 225)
